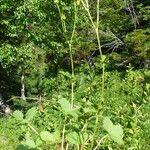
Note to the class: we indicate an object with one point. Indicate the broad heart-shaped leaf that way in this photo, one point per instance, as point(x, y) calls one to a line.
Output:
point(76, 138)
point(107, 124)
point(65, 105)
point(18, 115)
point(66, 108)
point(117, 134)
point(115, 131)
point(30, 113)
point(51, 137)
point(46, 136)
point(73, 138)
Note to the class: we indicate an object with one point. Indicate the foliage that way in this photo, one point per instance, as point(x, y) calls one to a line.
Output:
point(139, 41)
point(115, 131)
point(125, 104)
point(50, 41)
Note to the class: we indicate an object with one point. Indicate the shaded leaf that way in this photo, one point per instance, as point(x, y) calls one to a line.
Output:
point(22, 147)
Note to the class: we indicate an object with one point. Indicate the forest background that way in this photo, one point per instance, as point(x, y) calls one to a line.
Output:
point(75, 74)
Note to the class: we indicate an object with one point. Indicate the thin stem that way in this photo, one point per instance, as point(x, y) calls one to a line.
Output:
point(100, 141)
point(96, 28)
point(62, 21)
point(72, 75)
point(97, 13)
point(71, 59)
point(86, 6)
point(63, 135)
point(74, 25)
point(71, 54)
point(70, 46)
point(33, 129)
point(95, 130)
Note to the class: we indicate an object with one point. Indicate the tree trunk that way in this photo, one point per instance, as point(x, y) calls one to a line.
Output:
point(22, 86)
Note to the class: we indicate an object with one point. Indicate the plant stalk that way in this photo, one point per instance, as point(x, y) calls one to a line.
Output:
point(96, 28)
point(33, 129)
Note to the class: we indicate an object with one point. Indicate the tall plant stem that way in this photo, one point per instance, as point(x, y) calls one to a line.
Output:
point(71, 55)
point(96, 28)
point(63, 136)
point(72, 75)
point(62, 21)
point(69, 42)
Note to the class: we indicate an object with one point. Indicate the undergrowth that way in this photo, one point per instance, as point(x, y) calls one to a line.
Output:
point(127, 96)
point(87, 108)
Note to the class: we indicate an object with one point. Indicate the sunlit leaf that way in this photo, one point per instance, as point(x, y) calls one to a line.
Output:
point(115, 131)
point(65, 105)
point(46, 136)
point(18, 115)
point(107, 124)
point(57, 136)
point(76, 137)
point(31, 113)
point(117, 134)
point(29, 143)
point(73, 138)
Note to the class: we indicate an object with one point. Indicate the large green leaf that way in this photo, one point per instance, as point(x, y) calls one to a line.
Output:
point(76, 137)
point(46, 136)
point(117, 134)
point(31, 113)
point(66, 108)
point(30, 143)
point(115, 131)
point(73, 138)
point(50, 137)
point(107, 124)
point(65, 105)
